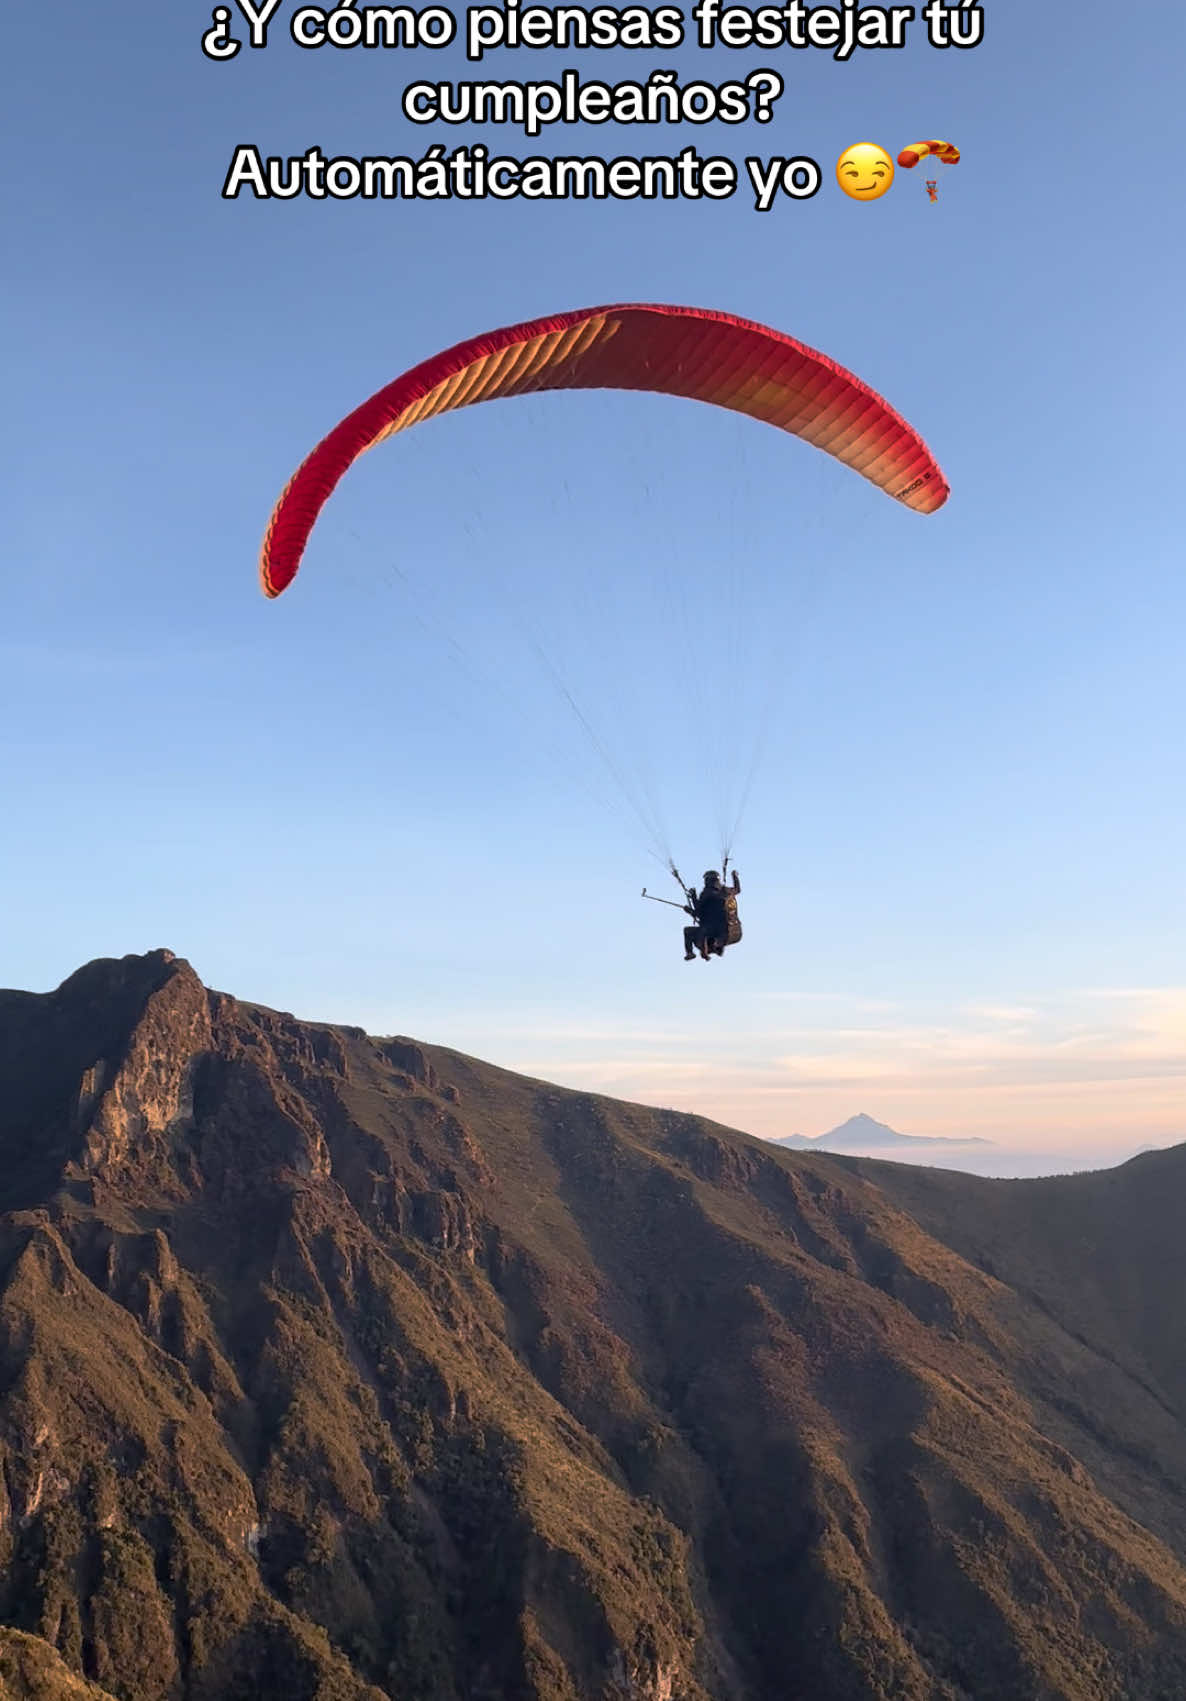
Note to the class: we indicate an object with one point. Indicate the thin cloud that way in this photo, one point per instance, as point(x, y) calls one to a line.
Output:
point(1030, 1071)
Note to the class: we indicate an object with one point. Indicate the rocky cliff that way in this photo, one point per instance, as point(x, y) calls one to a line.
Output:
point(335, 1367)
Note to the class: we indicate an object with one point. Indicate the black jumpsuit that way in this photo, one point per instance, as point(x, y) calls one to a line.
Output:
point(715, 910)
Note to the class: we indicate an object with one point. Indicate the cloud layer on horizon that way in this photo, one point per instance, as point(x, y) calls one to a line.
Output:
point(1088, 1067)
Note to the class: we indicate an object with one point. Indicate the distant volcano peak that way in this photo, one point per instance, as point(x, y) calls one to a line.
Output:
point(865, 1127)
point(863, 1132)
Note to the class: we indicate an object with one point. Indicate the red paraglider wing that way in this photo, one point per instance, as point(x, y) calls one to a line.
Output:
point(678, 351)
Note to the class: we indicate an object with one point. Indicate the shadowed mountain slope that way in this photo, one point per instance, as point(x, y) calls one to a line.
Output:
point(336, 1368)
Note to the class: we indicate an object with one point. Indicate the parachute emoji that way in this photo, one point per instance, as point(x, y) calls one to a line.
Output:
point(946, 153)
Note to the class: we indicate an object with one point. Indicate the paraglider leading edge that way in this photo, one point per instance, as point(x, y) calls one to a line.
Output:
point(682, 351)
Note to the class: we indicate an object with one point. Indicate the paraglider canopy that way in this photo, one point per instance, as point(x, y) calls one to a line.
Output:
point(945, 152)
point(679, 351)
point(702, 355)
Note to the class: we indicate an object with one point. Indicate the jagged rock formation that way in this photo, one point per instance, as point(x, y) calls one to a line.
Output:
point(336, 1368)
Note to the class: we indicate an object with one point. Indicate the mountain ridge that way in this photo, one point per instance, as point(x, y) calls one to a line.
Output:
point(336, 1367)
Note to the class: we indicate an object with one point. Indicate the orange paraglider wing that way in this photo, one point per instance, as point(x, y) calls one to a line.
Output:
point(677, 351)
point(945, 152)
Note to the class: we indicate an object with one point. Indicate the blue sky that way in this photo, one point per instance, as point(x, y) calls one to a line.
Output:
point(963, 852)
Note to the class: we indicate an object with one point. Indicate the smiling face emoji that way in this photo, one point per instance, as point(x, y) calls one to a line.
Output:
point(864, 171)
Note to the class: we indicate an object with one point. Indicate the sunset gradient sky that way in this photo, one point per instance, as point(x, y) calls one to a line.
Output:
point(963, 854)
